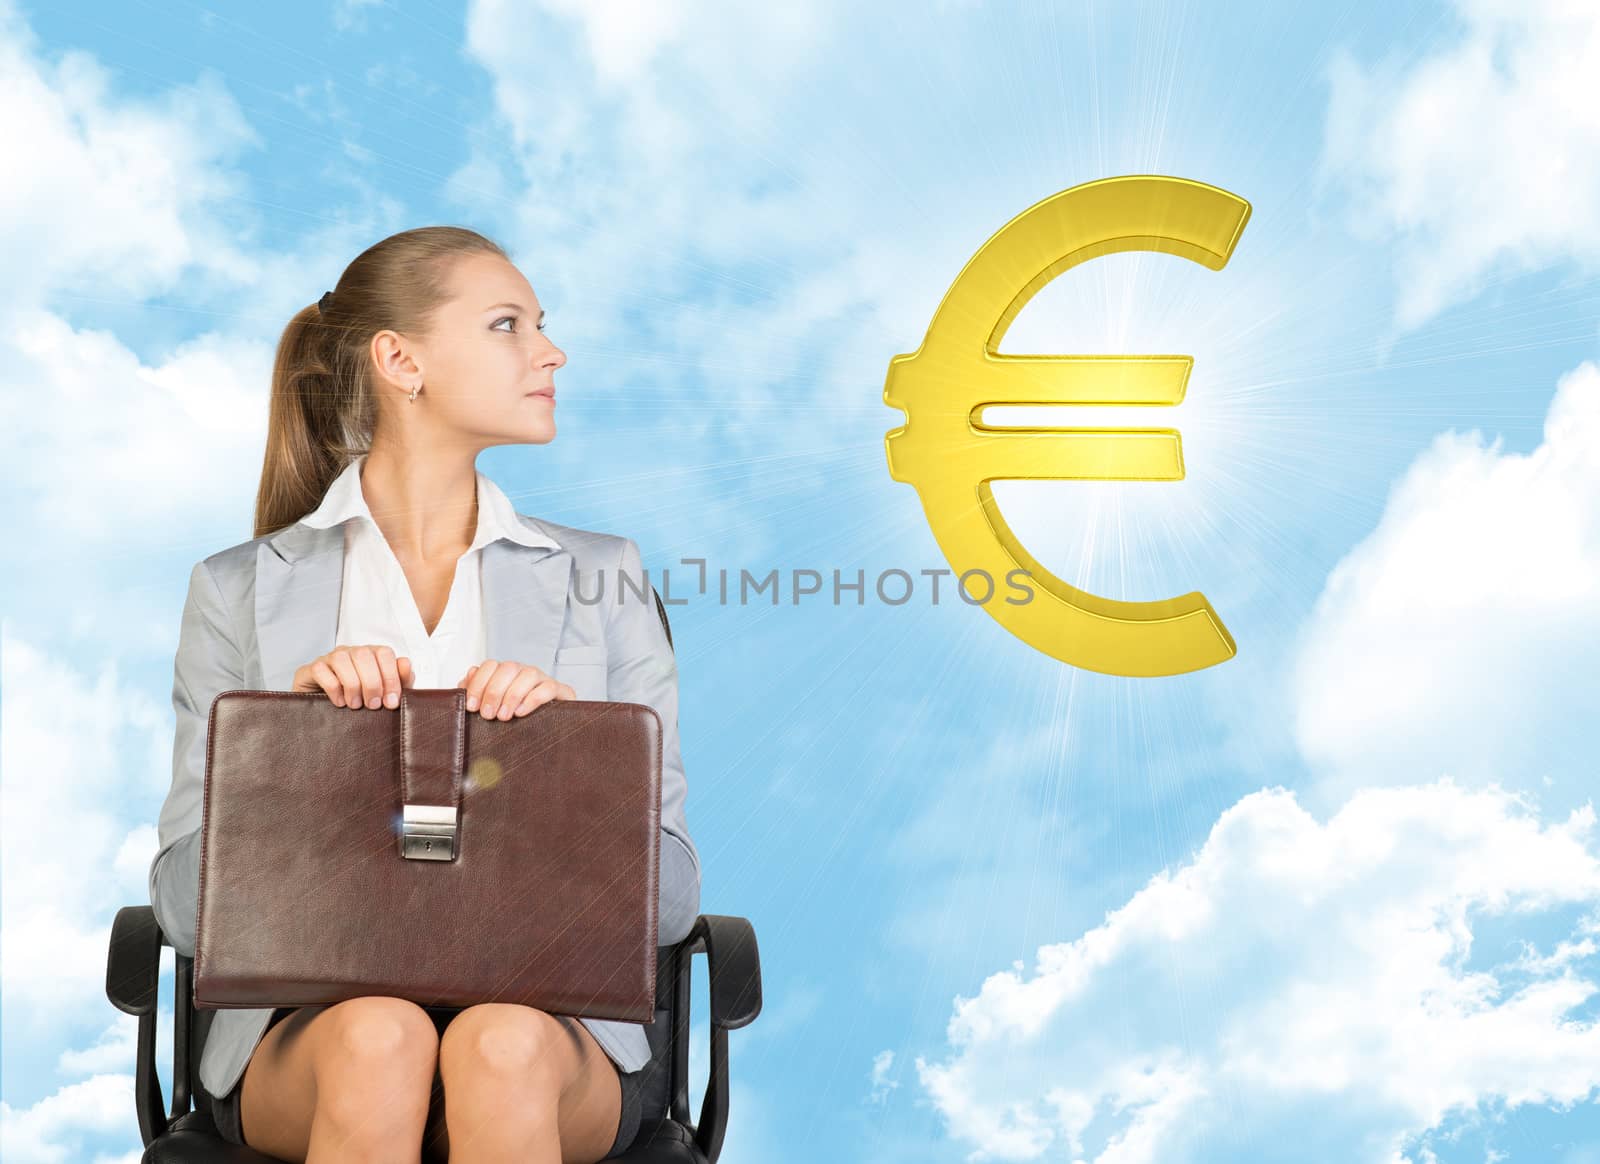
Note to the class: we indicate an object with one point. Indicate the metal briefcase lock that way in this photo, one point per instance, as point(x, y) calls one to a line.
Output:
point(428, 832)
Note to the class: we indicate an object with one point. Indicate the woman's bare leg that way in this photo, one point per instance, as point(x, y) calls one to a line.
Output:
point(521, 1084)
point(345, 1082)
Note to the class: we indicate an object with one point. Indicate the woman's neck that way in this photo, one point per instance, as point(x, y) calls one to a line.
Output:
point(426, 507)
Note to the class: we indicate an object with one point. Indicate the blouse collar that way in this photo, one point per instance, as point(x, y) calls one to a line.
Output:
point(496, 516)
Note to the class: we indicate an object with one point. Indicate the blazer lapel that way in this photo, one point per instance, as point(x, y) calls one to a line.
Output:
point(300, 574)
point(525, 601)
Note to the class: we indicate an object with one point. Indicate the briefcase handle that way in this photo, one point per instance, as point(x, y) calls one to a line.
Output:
point(433, 743)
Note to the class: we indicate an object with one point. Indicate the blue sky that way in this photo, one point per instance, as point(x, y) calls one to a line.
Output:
point(1335, 898)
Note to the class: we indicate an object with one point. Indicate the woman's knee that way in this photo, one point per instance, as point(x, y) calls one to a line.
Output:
point(506, 1039)
point(377, 1046)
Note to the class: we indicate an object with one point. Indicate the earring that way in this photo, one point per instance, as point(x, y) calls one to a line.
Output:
point(414, 390)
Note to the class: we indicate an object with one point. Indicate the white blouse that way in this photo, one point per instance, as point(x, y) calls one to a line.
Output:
point(375, 600)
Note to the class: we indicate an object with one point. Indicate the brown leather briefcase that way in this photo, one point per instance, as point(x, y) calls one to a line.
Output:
point(427, 853)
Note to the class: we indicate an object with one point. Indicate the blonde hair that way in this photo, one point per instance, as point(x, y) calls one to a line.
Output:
point(323, 407)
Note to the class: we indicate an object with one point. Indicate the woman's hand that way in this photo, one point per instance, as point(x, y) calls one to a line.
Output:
point(353, 676)
point(506, 689)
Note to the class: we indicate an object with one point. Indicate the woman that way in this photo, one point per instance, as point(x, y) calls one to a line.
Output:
point(384, 559)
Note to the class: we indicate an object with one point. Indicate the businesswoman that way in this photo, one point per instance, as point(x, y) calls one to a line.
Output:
point(384, 559)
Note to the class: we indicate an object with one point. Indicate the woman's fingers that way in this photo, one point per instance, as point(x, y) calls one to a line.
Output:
point(543, 692)
point(388, 677)
point(367, 675)
point(488, 685)
point(327, 679)
point(522, 686)
point(477, 680)
point(371, 673)
point(497, 688)
point(345, 667)
point(373, 676)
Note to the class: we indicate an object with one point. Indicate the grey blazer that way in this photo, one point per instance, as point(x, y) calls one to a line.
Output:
point(257, 611)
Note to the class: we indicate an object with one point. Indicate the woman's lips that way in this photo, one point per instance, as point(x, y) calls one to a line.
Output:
point(548, 393)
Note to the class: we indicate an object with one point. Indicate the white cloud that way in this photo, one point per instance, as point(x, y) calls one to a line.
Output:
point(622, 38)
point(125, 198)
point(1459, 637)
point(882, 1084)
point(68, 780)
point(125, 445)
point(119, 195)
point(347, 14)
point(115, 1049)
point(153, 433)
point(53, 1130)
point(132, 861)
point(629, 180)
point(112, 457)
point(1290, 962)
point(757, 1128)
point(1290, 965)
point(653, 76)
point(129, 196)
point(1480, 159)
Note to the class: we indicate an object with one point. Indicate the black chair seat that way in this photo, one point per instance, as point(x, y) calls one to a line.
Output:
point(669, 1143)
point(192, 1138)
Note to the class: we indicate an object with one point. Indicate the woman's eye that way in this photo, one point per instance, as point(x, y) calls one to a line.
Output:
point(509, 319)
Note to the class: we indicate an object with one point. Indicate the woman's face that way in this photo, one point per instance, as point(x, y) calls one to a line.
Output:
point(487, 370)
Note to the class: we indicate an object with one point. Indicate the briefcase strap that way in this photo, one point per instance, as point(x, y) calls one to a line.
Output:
point(433, 744)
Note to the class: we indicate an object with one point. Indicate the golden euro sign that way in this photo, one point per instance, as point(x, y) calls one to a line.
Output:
point(950, 456)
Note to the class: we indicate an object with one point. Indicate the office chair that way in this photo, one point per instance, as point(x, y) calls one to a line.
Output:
point(669, 1133)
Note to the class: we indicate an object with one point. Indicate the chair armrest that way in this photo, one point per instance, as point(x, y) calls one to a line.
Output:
point(133, 974)
point(133, 966)
point(733, 967)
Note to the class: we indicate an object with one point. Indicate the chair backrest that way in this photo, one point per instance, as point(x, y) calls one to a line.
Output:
point(662, 611)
